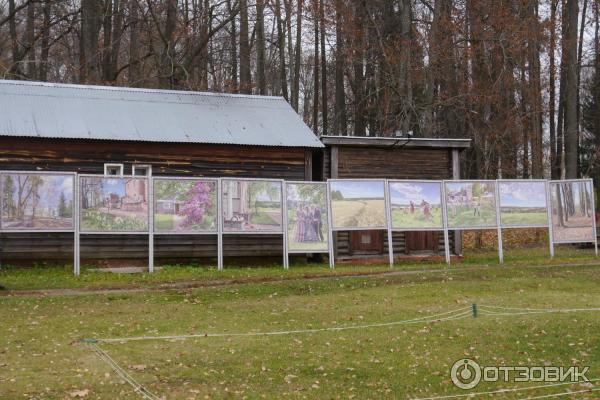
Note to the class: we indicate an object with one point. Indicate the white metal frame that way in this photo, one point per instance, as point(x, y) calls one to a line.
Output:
point(286, 224)
point(148, 216)
point(75, 214)
point(283, 230)
point(432, 229)
point(378, 228)
point(149, 220)
point(473, 228)
point(502, 225)
point(592, 196)
point(217, 230)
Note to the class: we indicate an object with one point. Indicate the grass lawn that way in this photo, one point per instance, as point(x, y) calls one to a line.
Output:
point(524, 218)
point(464, 216)
point(61, 277)
point(42, 358)
point(163, 222)
point(401, 218)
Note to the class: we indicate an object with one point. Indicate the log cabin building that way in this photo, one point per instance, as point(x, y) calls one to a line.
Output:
point(87, 129)
point(347, 157)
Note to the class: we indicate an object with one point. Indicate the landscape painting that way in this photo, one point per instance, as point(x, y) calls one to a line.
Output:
point(471, 204)
point(114, 204)
point(307, 217)
point(37, 201)
point(358, 204)
point(416, 205)
point(252, 206)
point(572, 211)
point(185, 205)
point(523, 204)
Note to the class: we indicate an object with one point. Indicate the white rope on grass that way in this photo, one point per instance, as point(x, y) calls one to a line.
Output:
point(549, 396)
point(137, 387)
point(510, 390)
point(450, 315)
point(540, 309)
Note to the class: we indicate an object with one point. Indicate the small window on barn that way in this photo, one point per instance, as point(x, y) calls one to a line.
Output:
point(113, 169)
point(142, 170)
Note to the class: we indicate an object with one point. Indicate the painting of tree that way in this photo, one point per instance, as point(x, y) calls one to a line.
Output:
point(572, 211)
point(37, 201)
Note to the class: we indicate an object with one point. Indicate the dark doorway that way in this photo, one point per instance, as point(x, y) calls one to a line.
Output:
point(422, 242)
point(366, 242)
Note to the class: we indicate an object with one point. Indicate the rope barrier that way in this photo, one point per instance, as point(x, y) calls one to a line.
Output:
point(137, 387)
point(549, 396)
point(453, 315)
point(450, 315)
point(510, 390)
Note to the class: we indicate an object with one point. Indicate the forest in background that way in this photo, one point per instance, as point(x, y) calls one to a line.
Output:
point(519, 77)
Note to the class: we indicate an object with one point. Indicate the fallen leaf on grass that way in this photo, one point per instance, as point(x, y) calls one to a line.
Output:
point(79, 393)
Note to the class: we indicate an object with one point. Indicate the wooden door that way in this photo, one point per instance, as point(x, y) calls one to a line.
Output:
point(366, 242)
point(422, 242)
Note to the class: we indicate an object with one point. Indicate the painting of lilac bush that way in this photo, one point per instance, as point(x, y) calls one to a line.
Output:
point(185, 205)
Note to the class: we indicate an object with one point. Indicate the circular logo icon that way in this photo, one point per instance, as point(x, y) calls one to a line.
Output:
point(465, 374)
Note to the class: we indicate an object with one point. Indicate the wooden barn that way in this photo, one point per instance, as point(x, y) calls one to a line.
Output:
point(347, 157)
point(58, 127)
point(90, 129)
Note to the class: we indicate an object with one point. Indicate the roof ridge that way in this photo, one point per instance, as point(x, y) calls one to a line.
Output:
point(135, 90)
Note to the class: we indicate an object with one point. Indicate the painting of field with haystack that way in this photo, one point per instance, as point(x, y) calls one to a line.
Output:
point(358, 204)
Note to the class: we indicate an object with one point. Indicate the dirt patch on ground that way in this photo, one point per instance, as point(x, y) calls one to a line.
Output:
point(190, 285)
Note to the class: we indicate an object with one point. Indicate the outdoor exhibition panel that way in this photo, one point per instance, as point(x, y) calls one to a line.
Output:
point(34, 202)
point(186, 206)
point(572, 211)
point(524, 204)
point(471, 205)
point(416, 205)
point(359, 204)
point(305, 214)
point(253, 206)
point(307, 218)
point(115, 205)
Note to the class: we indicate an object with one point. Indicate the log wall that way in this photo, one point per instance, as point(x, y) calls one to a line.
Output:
point(389, 163)
point(167, 159)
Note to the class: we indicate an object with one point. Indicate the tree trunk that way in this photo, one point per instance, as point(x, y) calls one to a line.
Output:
point(297, 57)
point(281, 47)
point(45, 42)
point(571, 130)
point(245, 75)
point(358, 66)
point(233, 84)
point(316, 69)
point(134, 45)
point(554, 168)
point(341, 122)
point(324, 111)
point(260, 47)
point(91, 19)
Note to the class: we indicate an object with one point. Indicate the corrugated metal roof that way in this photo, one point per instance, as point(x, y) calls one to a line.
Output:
point(48, 110)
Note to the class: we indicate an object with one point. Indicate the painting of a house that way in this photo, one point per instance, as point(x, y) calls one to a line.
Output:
point(185, 205)
point(252, 206)
point(114, 204)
